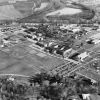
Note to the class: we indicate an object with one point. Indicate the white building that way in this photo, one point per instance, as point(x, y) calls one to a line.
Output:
point(86, 96)
point(82, 56)
point(96, 41)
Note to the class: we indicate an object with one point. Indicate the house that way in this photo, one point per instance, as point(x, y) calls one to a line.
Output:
point(83, 55)
point(50, 43)
point(6, 41)
point(63, 50)
point(76, 30)
point(96, 41)
point(69, 52)
point(49, 49)
point(90, 41)
point(93, 41)
point(74, 56)
point(75, 97)
point(63, 27)
point(60, 52)
point(86, 96)
point(40, 38)
point(39, 44)
point(28, 36)
point(34, 36)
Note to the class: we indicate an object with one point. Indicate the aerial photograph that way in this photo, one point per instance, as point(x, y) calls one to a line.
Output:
point(49, 49)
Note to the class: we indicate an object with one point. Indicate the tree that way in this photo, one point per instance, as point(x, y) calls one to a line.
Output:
point(53, 92)
point(13, 91)
point(39, 78)
point(84, 86)
point(98, 86)
point(56, 87)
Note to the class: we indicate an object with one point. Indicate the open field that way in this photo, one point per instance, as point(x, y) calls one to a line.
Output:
point(26, 61)
point(64, 11)
point(9, 12)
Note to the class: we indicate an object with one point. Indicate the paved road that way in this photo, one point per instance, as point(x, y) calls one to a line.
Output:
point(65, 59)
point(69, 65)
point(88, 72)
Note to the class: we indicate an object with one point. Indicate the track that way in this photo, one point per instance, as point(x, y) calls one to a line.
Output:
point(14, 75)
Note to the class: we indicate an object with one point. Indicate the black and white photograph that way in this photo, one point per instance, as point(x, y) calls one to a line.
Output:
point(49, 49)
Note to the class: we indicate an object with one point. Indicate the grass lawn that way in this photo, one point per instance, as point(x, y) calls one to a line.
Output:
point(21, 61)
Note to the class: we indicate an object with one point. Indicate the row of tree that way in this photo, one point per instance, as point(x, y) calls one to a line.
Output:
point(55, 87)
point(47, 86)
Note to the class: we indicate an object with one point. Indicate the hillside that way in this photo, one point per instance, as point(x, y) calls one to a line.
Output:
point(61, 12)
point(38, 10)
